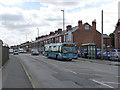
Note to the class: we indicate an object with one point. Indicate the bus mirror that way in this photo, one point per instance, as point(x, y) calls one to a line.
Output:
point(60, 50)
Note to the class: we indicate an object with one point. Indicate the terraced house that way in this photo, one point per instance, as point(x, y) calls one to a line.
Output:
point(83, 33)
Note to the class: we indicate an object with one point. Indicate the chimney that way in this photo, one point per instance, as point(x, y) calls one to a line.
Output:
point(94, 24)
point(69, 27)
point(46, 35)
point(59, 30)
point(56, 32)
point(51, 33)
point(79, 23)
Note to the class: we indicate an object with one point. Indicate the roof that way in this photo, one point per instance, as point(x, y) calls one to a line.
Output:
point(117, 28)
point(106, 36)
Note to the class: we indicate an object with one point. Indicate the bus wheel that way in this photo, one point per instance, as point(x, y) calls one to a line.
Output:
point(70, 59)
point(57, 57)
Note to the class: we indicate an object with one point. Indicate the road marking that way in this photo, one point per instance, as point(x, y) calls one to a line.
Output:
point(27, 74)
point(111, 82)
point(71, 71)
point(102, 83)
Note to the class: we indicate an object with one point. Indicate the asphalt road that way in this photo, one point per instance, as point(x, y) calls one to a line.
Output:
point(51, 73)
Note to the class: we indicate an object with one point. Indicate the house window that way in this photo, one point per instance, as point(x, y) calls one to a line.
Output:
point(86, 27)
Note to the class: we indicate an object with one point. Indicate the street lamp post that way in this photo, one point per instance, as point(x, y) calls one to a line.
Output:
point(63, 24)
point(38, 40)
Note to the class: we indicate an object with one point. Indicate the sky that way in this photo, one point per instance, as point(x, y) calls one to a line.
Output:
point(19, 19)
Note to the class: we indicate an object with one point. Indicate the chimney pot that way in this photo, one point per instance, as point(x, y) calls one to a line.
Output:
point(79, 23)
point(94, 24)
point(69, 27)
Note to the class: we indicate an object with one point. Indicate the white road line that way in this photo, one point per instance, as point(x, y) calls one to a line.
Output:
point(111, 82)
point(102, 83)
point(71, 71)
point(27, 74)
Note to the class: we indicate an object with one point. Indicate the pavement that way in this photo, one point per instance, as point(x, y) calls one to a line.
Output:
point(14, 76)
point(99, 61)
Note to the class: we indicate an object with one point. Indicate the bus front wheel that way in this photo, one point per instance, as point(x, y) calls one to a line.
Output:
point(57, 57)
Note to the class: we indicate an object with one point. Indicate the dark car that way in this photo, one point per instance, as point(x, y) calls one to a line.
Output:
point(35, 52)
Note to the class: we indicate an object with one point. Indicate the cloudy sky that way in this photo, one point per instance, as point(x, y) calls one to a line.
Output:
point(21, 18)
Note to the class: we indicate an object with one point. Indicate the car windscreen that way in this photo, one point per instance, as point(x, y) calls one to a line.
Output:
point(118, 50)
point(35, 51)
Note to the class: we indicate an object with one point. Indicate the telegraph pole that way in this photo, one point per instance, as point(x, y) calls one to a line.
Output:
point(102, 37)
point(26, 37)
point(38, 31)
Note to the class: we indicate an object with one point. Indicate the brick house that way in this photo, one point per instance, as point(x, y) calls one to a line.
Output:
point(85, 33)
point(80, 34)
point(117, 37)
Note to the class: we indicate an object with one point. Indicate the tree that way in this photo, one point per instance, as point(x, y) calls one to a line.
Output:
point(112, 39)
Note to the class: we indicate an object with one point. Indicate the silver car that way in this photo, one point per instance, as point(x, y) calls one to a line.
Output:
point(115, 54)
point(16, 52)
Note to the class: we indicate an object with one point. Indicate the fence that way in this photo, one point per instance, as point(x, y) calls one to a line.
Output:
point(4, 54)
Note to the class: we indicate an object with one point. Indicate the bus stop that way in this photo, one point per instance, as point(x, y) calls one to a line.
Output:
point(89, 50)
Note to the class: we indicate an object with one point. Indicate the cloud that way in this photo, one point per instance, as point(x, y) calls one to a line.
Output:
point(12, 17)
point(18, 22)
point(10, 2)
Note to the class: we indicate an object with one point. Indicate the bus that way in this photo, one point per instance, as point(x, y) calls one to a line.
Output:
point(61, 51)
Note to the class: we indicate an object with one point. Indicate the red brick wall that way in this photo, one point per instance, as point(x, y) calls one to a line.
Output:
point(107, 41)
point(117, 38)
point(82, 36)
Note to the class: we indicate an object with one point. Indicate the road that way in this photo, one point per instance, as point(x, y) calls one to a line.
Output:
point(51, 73)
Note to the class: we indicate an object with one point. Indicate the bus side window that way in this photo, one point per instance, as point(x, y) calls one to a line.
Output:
point(54, 49)
point(49, 48)
point(58, 49)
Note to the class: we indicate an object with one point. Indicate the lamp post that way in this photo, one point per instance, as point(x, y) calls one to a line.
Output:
point(38, 39)
point(63, 25)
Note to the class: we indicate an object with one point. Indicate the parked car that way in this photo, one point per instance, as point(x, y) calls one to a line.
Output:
point(98, 53)
point(15, 52)
point(84, 53)
point(106, 55)
point(115, 54)
point(34, 52)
